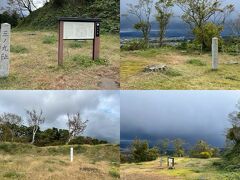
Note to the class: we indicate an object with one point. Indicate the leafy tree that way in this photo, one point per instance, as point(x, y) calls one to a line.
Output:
point(141, 152)
point(11, 121)
point(110, 18)
point(9, 17)
point(197, 13)
point(203, 150)
point(142, 11)
point(35, 119)
point(163, 145)
point(178, 146)
point(163, 16)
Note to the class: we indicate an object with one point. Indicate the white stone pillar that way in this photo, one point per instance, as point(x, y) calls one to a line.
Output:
point(214, 53)
point(71, 154)
point(5, 49)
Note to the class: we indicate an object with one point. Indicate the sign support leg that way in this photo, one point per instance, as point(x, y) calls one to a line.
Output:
point(60, 43)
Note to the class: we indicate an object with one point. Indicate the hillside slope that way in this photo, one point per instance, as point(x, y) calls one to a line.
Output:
point(46, 17)
point(25, 161)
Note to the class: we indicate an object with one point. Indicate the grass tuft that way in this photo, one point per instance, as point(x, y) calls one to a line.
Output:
point(114, 173)
point(196, 62)
point(12, 175)
point(49, 39)
point(18, 49)
point(75, 44)
point(85, 61)
point(172, 73)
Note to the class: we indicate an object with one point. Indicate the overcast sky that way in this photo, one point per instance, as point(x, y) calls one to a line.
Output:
point(190, 115)
point(101, 108)
point(127, 21)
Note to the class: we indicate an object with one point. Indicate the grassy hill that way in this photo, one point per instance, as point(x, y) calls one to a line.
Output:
point(185, 168)
point(24, 161)
point(46, 17)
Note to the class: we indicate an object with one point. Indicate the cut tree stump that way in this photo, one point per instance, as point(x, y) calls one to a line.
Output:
point(156, 68)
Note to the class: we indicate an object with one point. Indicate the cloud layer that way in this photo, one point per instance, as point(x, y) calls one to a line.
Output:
point(101, 108)
point(191, 115)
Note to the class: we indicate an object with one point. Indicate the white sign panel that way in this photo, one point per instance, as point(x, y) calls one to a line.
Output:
point(78, 30)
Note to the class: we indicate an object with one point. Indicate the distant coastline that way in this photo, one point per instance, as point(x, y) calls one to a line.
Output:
point(176, 34)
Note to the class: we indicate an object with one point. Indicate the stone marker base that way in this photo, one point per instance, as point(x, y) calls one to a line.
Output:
point(156, 68)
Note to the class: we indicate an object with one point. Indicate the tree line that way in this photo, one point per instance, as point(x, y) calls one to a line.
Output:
point(206, 18)
point(12, 129)
point(140, 150)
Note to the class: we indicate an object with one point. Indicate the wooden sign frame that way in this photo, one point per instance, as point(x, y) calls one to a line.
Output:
point(96, 38)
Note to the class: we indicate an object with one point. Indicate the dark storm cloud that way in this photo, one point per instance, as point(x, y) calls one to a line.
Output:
point(100, 107)
point(191, 115)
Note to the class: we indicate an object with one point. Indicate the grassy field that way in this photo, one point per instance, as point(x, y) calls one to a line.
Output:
point(185, 169)
point(33, 63)
point(18, 161)
point(186, 70)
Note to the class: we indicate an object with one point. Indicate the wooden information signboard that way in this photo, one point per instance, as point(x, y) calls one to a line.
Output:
point(73, 28)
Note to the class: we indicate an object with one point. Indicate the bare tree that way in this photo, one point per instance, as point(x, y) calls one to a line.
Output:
point(235, 26)
point(75, 125)
point(35, 119)
point(164, 13)
point(142, 11)
point(23, 5)
point(11, 119)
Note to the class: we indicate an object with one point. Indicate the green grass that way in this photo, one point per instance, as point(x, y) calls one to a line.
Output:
point(76, 44)
point(85, 61)
point(38, 69)
point(108, 152)
point(187, 70)
point(196, 62)
point(18, 49)
point(12, 175)
point(22, 161)
point(172, 73)
point(185, 168)
point(49, 39)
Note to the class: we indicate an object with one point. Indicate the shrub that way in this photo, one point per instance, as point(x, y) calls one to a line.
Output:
point(152, 154)
point(204, 36)
point(205, 155)
point(141, 152)
point(87, 61)
point(18, 49)
point(114, 172)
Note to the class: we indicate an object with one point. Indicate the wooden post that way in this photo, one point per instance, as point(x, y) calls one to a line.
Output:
point(214, 53)
point(60, 43)
point(96, 41)
point(71, 154)
point(5, 49)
